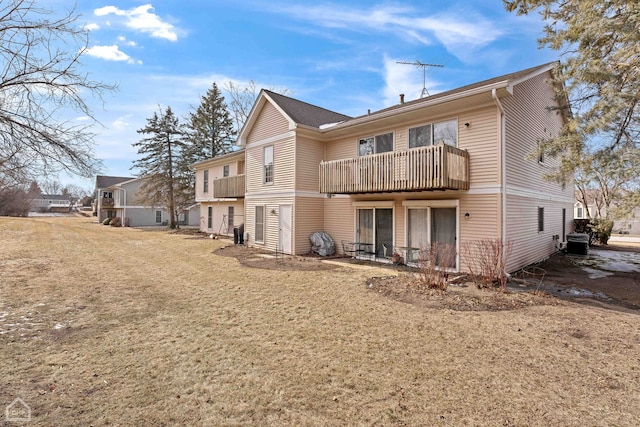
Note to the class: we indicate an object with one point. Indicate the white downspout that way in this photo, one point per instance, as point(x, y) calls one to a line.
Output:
point(503, 165)
point(124, 207)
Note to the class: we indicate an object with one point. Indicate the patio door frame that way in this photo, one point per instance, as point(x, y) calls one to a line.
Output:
point(428, 205)
point(382, 204)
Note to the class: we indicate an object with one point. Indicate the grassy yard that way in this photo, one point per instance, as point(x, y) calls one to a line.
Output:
point(105, 326)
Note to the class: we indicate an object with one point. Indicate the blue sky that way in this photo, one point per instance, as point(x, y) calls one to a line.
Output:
point(338, 55)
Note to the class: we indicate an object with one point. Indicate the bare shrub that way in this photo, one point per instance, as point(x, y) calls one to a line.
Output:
point(486, 261)
point(116, 222)
point(433, 265)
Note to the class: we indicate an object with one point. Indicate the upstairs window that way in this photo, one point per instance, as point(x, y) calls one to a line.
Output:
point(225, 170)
point(268, 164)
point(434, 134)
point(107, 195)
point(375, 144)
point(205, 183)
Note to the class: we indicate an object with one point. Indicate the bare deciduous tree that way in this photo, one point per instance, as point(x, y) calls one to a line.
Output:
point(41, 86)
point(241, 100)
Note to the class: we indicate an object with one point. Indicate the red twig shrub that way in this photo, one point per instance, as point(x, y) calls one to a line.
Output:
point(433, 265)
point(486, 261)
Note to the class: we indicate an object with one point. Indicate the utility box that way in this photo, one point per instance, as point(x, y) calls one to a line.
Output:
point(577, 244)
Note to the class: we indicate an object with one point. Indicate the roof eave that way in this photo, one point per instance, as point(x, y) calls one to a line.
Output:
point(505, 84)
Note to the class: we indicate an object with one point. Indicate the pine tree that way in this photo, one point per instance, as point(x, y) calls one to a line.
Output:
point(161, 151)
point(599, 74)
point(210, 128)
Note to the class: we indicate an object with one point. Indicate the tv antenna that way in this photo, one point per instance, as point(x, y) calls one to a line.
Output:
point(424, 67)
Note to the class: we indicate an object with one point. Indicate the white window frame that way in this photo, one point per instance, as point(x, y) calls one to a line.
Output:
point(158, 212)
point(225, 171)
point(373, 139)
point(432, 137)
point(267, 167)
point(209, 217)
point(429, 204)
point(205, 181)
point(257, 238)
point(230, 216)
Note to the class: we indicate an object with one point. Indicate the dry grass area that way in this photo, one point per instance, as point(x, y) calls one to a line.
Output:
point(104, 326)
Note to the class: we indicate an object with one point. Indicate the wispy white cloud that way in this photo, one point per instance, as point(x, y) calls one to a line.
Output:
point(142, 19)
point(454, 30)
point(123, 39)
point(92, 26)
point(110, 53)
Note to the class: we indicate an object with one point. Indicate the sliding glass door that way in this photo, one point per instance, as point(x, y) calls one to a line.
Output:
point(433, 228)
point(375, 227)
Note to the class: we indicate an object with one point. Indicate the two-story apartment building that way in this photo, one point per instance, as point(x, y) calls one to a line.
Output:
point(220, 191)
point(450, 168)
point(121, 198)
point(104, 202)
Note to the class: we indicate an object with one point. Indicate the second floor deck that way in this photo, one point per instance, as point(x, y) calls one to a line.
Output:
point(229, 187)
point(439, 167)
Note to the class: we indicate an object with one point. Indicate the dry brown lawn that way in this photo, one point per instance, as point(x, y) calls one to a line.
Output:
point(105, 326)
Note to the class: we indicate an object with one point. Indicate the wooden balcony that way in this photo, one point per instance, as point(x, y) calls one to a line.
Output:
point(107, 202)
point(439, 167)
point(229, 187)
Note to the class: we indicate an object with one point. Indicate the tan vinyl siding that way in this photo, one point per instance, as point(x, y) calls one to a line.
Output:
point(338, 220)
point(284, 164)
point(220, 209)
point(309, 153)
point(527, 120)
point(344, 148)
point(269, 123)
point(530, 245)
point(283, 167)
point(484, 220)
point(271, 221)
point(481, 140)
point(308, 218)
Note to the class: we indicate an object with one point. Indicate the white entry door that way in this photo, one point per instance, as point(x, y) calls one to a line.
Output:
point(284, 244)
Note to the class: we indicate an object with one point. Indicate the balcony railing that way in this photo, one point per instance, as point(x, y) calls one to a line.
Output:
point(228, 187)
point(107, 202)
point(439, 167)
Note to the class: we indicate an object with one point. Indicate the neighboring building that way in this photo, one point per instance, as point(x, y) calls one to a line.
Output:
point(51, 203)
point(220, 190)
point(450, 168)
point(104, 203)
point(127, 205)
point(629, 225)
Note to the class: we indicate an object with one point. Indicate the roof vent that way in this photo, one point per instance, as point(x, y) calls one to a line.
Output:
point(402, 98)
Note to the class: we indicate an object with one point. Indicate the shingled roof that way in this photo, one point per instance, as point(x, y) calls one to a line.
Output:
point(304, 113)
point(511, 77)
point(103, 181)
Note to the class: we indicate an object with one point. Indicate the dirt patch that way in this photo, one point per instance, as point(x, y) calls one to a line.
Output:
point(566, 275)
point(256, 258)
point(460, 297)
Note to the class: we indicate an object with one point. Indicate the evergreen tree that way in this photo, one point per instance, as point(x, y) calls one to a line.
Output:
point(161, 151)
point(210, 128)
point(599, 40)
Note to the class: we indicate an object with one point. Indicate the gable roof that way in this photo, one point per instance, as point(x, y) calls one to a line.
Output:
point(103, 181)
point(304, 113)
